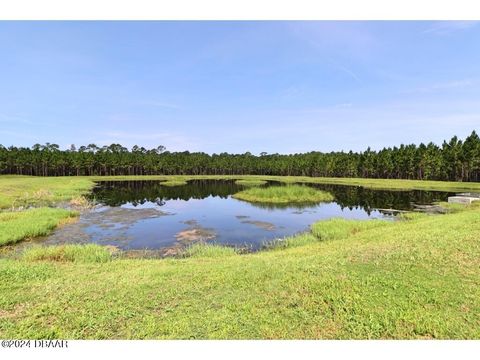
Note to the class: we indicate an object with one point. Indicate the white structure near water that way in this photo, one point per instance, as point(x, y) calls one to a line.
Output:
point(464, 198)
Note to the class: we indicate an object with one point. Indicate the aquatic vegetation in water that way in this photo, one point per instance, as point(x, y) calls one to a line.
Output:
point(81, 202)
point(284, 195)
point(260, 224)
point(196, 234)
point(173, 183)
point(251, 182)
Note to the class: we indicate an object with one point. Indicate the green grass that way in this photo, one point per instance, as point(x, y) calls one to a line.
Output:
point(455, 207)
point(19, 225)
point(284, 195)
point(292, 241)
point(22, 191)
point(250, 182)
point(89, 253)
point(209, 251)
point(174, 183)
point(411, 279)
point(339, 228)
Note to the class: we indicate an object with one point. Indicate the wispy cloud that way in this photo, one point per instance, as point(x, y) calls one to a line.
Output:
point(448, 85)
point(172, 141)
point(448, 27)
point(347, 71)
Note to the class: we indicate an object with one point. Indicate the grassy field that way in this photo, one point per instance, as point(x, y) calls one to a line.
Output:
point(408, 279)
point(284, 195)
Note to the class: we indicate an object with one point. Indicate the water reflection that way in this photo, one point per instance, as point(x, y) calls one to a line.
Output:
point(117, 193)
point(146, 216)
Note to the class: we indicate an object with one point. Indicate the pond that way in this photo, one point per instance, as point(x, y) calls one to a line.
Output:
point(136, 215)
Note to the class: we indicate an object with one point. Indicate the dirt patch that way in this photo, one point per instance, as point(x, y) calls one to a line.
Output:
point(12, 314)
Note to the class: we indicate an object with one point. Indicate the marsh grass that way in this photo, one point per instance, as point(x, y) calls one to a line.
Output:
point(203, 250)
point(331, 229)
point(19, 225)
point(292, 241)
point(23, 191)
point(89, 253)
point(251, 182)
point(339, 228)
point(284, 195)
point(408, 216)
point(173, 182)
point(81, 202)
point(455, 207)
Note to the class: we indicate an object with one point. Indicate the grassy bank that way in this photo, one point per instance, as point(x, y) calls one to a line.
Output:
point(284, 195)
point(408, 279)
point(21, 191)
point(384, 184)
point(20, 225)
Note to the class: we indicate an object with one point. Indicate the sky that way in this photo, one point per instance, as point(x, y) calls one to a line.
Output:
point(275, 87)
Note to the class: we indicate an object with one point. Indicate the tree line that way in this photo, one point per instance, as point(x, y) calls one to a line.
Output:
point(454, 160)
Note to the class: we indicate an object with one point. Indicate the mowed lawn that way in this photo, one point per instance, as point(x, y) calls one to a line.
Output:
point(417, 278)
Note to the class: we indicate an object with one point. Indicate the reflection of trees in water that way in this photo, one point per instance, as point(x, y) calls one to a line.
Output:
point(116, 193)
point(352, 197)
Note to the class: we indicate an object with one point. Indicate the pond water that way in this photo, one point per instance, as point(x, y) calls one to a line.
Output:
point(135, 215)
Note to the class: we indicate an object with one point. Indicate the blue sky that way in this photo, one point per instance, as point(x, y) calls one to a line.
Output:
point(272, 86)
